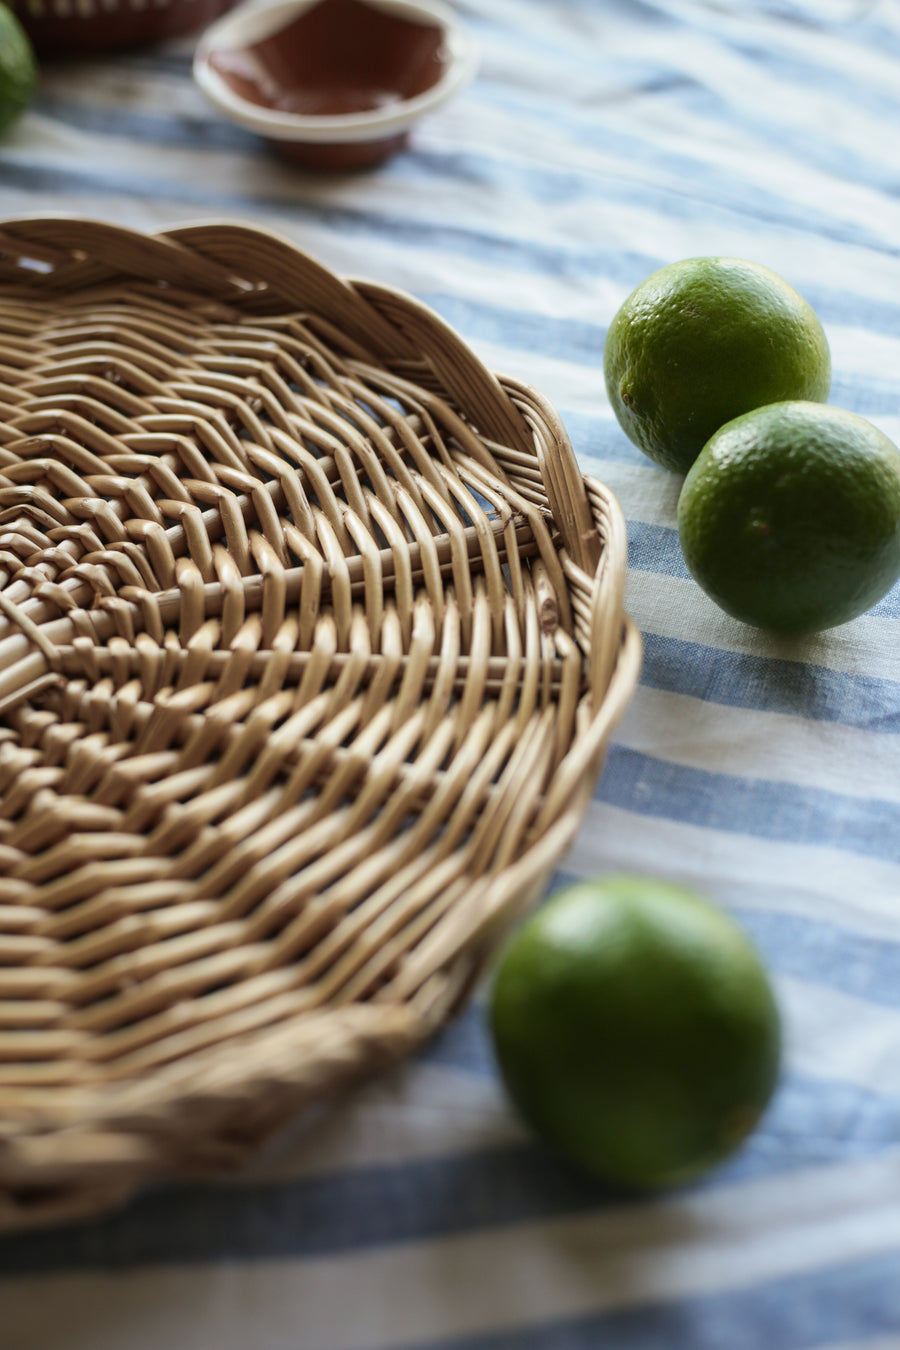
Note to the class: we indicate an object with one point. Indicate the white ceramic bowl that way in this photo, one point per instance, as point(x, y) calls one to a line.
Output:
point(334, 84)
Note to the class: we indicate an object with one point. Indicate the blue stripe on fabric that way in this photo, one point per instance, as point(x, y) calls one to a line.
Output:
point(348, 1211)
point(573, 340)
point(193, 133)
point(688, 184)
point(358, 222)
point(655, 548)
point(833, 1306)
point(781, 812)
point(154, 60)
point(482, 244)
point(465, 1044)
point(808, 1124)
point(796, 72)
point(819, 952)
point(543, 182)
point(865, 968)
point(767, 684)
point(688, 188)
point(853, 163)
point(599, 440)
point(548, 183)
point(869, 397)
point(624, 72)
point(569, 43)
point(727, 191)
point(582, 342)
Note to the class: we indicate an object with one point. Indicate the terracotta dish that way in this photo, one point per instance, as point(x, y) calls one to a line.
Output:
point(59, 26)
point(334, 84)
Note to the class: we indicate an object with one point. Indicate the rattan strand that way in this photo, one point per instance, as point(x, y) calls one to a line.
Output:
point(311, 644)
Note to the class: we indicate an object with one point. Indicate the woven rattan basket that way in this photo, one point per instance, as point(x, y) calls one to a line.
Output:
point(311, 643)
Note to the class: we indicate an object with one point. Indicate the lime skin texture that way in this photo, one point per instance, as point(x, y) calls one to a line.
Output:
point(790, 517)
point(636, 1030)
point(18, 69)
point(703, 340)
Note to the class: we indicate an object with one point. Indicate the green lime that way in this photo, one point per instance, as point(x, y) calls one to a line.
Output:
point(18, 69)
point(636, 1029)
point(702, 341)
point(790, 517)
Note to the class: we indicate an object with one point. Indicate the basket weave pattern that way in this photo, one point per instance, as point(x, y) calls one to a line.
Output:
point(311, 644)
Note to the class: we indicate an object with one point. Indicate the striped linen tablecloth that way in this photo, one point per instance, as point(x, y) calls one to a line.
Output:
point(600, 140)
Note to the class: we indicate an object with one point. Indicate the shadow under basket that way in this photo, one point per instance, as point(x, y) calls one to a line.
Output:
point(311, 644)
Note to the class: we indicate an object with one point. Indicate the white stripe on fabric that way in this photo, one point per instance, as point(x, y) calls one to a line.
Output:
point(677, 608)
point(772, 746)
point(835, 1037)
point(816, 882)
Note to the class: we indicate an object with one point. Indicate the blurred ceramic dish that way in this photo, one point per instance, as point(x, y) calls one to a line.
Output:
point(334, 84)
point(65, 27)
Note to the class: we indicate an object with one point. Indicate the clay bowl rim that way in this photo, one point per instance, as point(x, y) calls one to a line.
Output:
point(252, 22)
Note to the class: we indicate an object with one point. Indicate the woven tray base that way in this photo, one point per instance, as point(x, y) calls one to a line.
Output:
point(311, 643)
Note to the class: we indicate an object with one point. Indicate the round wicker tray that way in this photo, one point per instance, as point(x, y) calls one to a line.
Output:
point(311, 643)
